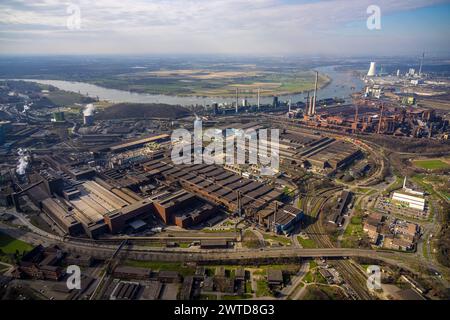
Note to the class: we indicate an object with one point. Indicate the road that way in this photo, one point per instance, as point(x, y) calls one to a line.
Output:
point(289, 290)
point(184, 255)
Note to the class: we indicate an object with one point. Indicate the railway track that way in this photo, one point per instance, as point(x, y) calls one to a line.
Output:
point(142, 240)
point(351, 274)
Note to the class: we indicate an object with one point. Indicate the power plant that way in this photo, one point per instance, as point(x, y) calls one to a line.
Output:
point(372, 69)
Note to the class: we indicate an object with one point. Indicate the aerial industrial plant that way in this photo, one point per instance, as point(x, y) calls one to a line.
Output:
point(198, 177)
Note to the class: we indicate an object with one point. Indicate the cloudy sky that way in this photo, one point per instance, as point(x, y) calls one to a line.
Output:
point(261, 27)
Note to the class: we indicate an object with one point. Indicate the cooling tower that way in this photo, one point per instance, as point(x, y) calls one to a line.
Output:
point(372, 69)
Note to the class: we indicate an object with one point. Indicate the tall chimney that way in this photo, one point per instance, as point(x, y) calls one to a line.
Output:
point(259, 94)
point(381, 119)
point(237, 100)
point(421, 64)
point(313, 109)
point(307, 105)
point(275, 217)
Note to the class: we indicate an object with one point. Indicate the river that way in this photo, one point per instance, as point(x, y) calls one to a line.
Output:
point(342, 85)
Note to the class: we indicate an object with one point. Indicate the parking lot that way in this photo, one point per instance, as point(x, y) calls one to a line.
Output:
point(385, 205)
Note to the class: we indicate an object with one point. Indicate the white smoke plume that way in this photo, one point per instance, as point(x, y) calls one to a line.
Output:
point(26, 107)
point(23, 161)
point(89, 110)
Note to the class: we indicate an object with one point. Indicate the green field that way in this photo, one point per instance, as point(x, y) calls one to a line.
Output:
point(314, 276)
point(262, 289)
point(323, 293)
point(307, 243)
point(9, 245)
point(215, 83)
point(353, 233)
point(431, 164)
point(435, 185)
point(394, 186)
point(355, 227)
point(250, 240)
point(309, 277)
point(65, 98)
point(280, 239)
point(156, 266)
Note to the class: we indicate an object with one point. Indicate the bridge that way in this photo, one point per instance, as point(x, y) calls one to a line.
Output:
point(264, 255)
point(134, 250)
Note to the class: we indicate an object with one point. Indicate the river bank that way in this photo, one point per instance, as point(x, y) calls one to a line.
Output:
point(339, 84)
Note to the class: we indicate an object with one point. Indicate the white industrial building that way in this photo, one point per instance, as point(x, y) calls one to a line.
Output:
point(414, 202)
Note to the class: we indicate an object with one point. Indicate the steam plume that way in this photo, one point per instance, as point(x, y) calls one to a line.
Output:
point(89, 110)
point(26, 107)
point(23, 161)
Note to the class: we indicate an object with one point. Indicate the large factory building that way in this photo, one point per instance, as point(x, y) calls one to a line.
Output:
point(96, 207)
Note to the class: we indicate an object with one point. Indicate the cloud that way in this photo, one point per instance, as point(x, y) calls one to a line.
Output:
point(201, 26)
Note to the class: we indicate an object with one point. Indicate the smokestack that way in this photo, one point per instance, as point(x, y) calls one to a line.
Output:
point(356, 119)
point(88, 114)
point(307, 104)
point(239, 203)
point(89, 110)
point(88, 120)
point(381, 119)
point(313, 111)
point(289, 104)
point(259, 94)
point(421, 63)
point(275, 217)
point(237, 100)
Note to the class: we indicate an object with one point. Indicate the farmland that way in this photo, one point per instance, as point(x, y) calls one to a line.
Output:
point(432, 164)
